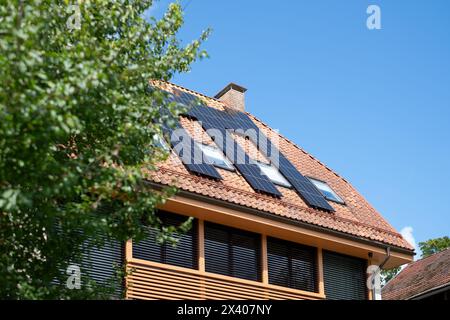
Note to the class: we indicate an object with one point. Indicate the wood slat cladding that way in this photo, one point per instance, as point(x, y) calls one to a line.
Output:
point(232, 252)
point(151, 281)
point(344, 276)
point(214, 261)
point(292, 265)
point(183, 254)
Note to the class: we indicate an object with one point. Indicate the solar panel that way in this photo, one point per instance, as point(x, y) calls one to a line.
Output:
point(181, 143)
point(258, 180)
point(238, 120)
point(306, 189)
point(250, 171)
point(222, 119)
point(187, 99)
point(231, 119)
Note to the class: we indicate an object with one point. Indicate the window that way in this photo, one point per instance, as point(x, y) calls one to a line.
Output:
point(327, 192)
point(273, 174)
point(215, 157)
point(344, 277)
point(232, 252)
point(292, 265)
point(183, 254)
point(98, 263)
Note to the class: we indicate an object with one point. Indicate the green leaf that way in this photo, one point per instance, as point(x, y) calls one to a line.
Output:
point(76, 127)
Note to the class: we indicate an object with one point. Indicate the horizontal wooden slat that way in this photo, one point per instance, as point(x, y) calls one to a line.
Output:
point(236, 281)
point(152, 280)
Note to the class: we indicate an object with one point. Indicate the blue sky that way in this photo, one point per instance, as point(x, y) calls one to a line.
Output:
point(374, 105)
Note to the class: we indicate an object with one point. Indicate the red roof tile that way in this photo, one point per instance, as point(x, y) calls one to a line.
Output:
point(419, 277)
point(357, 217)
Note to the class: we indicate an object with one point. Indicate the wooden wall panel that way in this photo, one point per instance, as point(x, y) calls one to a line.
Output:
point(150, 280)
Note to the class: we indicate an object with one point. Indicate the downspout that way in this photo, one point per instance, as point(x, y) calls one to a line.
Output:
point(388, 255)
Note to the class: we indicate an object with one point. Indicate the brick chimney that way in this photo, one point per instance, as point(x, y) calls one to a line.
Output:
point(233, 96)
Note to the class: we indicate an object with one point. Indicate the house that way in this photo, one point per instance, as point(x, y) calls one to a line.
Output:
point(270, 220)
point(425, 279)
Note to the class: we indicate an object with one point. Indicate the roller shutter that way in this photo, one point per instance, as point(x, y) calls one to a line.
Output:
point(292, 265)
point(102, 263)
point(344, 276)
point(232, 252)
point(183, 254)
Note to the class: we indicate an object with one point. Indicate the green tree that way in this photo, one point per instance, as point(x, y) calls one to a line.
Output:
point(77, 131)
point(433, 246)
point(387, 275)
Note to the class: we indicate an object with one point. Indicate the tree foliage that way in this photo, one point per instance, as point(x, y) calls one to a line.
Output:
point(387, 275)
point(433, 246)
point(77, 127)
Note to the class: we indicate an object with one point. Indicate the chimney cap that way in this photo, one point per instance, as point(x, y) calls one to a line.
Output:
point(228, 88)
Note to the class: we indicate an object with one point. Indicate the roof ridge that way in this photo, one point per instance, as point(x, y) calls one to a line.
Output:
point(190, 90)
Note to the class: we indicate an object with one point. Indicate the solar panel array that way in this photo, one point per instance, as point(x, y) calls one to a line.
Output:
point(194, 159)
point(181, 142)
point(250, 171)
point(305, 188)
point(184, 98)
point(214, 120)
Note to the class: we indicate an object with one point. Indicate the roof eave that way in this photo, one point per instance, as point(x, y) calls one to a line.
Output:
point(272, 216)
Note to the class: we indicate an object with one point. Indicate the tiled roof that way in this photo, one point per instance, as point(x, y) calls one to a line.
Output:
point(419, 277)
point(356, 217)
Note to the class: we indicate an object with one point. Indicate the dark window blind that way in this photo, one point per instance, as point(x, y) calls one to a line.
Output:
point(101, 264)
point(344, 277)
point(183, 254)
point(292, 265)
point(232, 252)
point(100, 261)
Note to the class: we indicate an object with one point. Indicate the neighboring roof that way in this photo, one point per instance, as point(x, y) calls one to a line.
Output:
point(357, 217)
point(419, 277)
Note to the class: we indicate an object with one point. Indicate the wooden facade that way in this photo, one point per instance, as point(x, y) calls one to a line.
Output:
point(154, 280)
